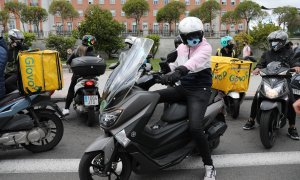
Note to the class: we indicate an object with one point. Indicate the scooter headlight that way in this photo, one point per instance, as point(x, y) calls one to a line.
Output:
point(107, 119)
point(273, 92)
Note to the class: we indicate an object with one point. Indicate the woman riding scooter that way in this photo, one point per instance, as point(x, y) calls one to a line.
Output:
point(85, 49)
point(192, 68)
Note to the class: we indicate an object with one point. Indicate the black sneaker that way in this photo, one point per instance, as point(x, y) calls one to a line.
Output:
point(293, 134)
point(249, 125)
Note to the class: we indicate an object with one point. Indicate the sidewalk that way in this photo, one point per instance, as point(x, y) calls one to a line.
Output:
point(62, 94)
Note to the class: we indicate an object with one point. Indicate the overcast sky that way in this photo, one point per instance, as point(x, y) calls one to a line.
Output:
point(277, 3)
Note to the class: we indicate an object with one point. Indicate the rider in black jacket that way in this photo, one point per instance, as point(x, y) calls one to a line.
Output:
point(278, 52)
point(3, 60)
point(86, 49)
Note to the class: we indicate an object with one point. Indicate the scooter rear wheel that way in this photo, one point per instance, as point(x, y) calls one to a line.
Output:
point(234, 108)
point(92, 164)
point(53, 125)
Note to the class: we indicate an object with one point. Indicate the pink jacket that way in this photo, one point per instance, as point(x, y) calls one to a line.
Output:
point(194, 58)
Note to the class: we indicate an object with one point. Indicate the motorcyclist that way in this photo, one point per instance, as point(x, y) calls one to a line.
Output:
point(3, 61)
point(278, 52)
point(15, 45)
point(85, 49)
point(227, 49)
point(192, 67)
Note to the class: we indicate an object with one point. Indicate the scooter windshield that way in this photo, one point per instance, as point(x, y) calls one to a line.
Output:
point(127, 72)
point(275, 68)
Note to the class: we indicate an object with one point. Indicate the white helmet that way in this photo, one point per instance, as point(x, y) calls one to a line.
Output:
point(191, 28)
point(130, 40)
point(15, 34)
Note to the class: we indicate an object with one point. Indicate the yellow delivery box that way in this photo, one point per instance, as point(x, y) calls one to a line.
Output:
point(40, 71)
point(230, 74)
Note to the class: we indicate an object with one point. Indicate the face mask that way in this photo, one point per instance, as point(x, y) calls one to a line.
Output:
point(274, 45)
point(193, 42)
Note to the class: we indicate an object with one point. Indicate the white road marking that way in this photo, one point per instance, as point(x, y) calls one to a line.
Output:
point(220, 161)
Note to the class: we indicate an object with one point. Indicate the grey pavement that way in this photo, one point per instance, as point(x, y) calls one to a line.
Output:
point(60, 95)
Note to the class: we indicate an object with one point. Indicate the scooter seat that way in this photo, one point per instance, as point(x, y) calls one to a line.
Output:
point(176, 112)
point(9, 97)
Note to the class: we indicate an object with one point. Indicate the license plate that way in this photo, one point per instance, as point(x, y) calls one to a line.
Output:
point(296, 91)
point(91, 100)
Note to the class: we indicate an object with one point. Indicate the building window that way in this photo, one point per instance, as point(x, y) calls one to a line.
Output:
point(113, 13)
point(154, 12)
point(223, 26)
point(155, 1)
point(12, 24)
point(122, 13)
point(232, 2)
point(166, 27)
point(91, 1)
point(80, 12)
point(145, 26)
point(34, 3)
point(231, 27)
point(134, 27)
point(69, 26)
point(101, 1)
point(155, 27)
point(186, 13)
point(224, 2)
point(123, 1)
point(223, 12)
point(59, 27)
point(79, 1)
point(241, 26)
point(187, 2)
point(166, 1)
point(197, 2)
point(145, 13)
point(112, 1)
point(125, 25)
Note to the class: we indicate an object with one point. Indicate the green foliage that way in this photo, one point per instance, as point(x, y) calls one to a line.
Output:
point(260, 34)
point(170, 12)
point(4, 17)
point(248, 10)
point(100, 23)
point(285, 15)
point(230, 17)
point(240, 38)
point(34, 15)
point(63, 8)
point(156, 39)
point(15, 8)
point(60, 44)
point(196, 12)
point(209, 10)
point(135, 9)
point(75, 34)
point(28, 38)
point(294, 27)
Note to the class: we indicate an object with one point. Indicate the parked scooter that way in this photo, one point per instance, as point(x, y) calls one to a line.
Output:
point(32, 122)
point(128, 143)
point(87, 97)
point(273, 101)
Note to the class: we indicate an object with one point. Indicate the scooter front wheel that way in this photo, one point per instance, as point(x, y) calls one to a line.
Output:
point(92, 166)
point(268, 127)
point(234, 108)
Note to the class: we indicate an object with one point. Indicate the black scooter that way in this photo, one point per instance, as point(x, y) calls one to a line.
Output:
point(273, 101)
point(129, 144)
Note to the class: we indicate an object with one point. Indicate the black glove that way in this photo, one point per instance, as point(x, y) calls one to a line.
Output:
point(171, 78)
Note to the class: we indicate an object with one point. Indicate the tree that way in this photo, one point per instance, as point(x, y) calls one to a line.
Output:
point(170, 13)
point(248, 10)
point(285, 15)
point(62, 8)
point(4, 17)
point(294, 27)
point(230, 17)
point(100, 23)
point(135, 9)
point(156, 39)
point(207, 12)
point(35, 15)
point(16, 9)
point(260, 34)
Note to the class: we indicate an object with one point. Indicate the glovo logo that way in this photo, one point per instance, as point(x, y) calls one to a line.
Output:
point(29, 69)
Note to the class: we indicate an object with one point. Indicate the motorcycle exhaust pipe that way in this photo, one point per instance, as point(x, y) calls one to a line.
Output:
point(216, 130)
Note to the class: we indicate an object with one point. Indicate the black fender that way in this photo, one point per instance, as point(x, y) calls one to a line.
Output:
point(103, 143)
point(268, 105)
point(53, 105)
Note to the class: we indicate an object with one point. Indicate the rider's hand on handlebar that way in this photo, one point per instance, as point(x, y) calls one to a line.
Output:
point(256, 71)
point(297, 69)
